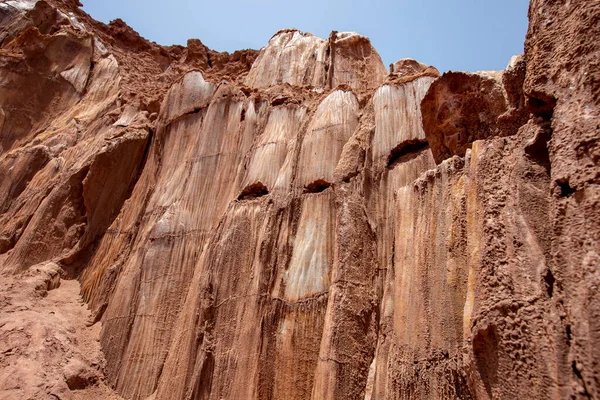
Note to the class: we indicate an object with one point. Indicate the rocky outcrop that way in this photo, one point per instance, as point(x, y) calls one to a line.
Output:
point(462, 107)
point(562, 89)
point(297, 222)
point(407, 67)
point(301, 59)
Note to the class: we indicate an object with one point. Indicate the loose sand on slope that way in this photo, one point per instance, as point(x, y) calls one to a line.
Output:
point(48, 347)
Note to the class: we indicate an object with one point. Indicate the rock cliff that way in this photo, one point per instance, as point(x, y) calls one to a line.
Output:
point(296, 222)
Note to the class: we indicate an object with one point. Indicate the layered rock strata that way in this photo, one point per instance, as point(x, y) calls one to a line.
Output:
point(298, 223)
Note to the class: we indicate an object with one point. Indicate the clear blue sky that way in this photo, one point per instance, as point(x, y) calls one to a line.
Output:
point(460, 35)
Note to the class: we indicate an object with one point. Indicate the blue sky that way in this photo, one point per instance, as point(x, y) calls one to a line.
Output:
point(460, 35)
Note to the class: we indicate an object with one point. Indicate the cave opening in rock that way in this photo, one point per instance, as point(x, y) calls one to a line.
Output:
point(253, 191)
point(541, 105)
point(549, 281)
point(317, 186)
point(405, 151)
point(565, 188)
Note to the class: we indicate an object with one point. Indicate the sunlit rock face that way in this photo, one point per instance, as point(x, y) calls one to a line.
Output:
point(407, 67)
point(293, 57)
point(398, 117)
point(332, 125)
point(300, 223)
point(301, 59)
point(355, 62)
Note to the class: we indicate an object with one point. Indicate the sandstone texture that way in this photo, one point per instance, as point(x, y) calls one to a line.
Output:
point(296, 222)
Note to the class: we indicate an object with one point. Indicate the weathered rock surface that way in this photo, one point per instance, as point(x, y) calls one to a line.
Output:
point(463, 107)
point(301, 59)
point(296, 223)
point(407, 67)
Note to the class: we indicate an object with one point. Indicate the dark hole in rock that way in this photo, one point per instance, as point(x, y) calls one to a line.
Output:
point(317, 186)
point(537, 148)
point(279, 100)
point(195, 111)
point(81, 379)
point(203, 383)
point(549, 280)
point(541, 105)
point(485, 349)
point(565, 189)
point(579, 376)
point(243, 116)
point(406, 151)
point(351, 175)
point(252, 191)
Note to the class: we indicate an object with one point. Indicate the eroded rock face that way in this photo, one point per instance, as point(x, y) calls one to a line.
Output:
point(297, 223)
point(408, 67)
point(461, 108)
point(301, 59)
point(42, 76)
point(562, 89)
point(291, 57)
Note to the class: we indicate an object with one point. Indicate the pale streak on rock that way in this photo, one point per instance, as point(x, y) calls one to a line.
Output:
point(309, 271)
point(190, 94)
point(292, 57)
point(103, 89)
point(411, 323)
point(301, 59)
point(182, 216)
point(333, 124)
point(78, 71)
point(355, 62)
point(28, 109)
point(397, 124)
point(398, 115)
point(275, 148)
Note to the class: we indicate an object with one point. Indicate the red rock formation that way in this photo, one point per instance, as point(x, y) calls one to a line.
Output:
point(297, 223)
